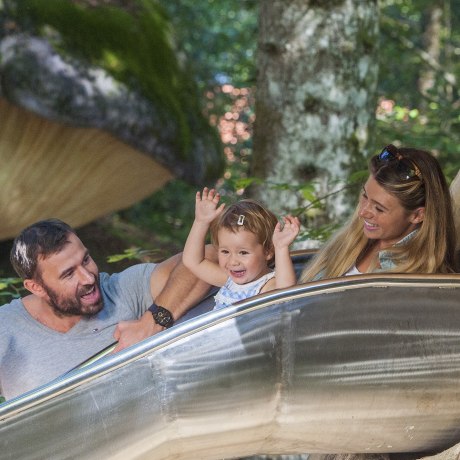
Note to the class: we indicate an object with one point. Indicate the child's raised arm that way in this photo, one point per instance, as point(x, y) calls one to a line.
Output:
point(283, 236)
point(193, 257)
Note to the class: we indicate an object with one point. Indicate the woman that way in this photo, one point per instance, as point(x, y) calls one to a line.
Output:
point(403, 223)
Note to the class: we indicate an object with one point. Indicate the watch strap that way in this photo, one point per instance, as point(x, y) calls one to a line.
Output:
point(161, 315)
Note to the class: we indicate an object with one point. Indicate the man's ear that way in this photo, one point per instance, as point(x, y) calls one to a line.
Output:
point(418, 215)
point(34, 287)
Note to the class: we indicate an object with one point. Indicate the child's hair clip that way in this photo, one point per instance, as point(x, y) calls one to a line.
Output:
point(240, 219)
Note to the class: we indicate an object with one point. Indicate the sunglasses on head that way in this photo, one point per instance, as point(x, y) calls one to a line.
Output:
point(404, 170)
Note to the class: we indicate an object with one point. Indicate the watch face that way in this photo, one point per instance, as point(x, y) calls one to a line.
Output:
point(163, 317)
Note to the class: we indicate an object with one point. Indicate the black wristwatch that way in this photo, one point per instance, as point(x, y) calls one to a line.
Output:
point(161, 315)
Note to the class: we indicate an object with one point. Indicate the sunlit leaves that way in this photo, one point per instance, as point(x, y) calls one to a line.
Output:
point(308, 192)
point(10, 288)
point(245, 182)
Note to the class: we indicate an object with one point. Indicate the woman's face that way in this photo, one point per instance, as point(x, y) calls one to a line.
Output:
point(384, 218)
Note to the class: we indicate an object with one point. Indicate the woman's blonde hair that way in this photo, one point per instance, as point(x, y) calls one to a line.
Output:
point(247, 215)
point(415, 178)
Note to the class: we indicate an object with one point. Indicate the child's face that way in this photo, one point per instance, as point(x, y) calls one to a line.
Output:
point(241, 255)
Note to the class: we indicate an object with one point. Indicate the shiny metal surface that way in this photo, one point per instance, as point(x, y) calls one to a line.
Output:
point(360, 364)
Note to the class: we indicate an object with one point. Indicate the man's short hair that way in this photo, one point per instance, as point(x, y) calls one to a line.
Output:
point(41, 239)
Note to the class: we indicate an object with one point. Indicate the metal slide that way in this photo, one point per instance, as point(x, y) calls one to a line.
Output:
point(363, 364)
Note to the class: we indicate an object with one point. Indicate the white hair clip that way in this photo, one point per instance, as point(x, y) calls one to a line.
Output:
point(240, 219)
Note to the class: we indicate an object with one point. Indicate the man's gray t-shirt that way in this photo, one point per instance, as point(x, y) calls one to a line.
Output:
point(32, 354)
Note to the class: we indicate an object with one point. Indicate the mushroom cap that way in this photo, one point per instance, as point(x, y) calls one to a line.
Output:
point(50, 169)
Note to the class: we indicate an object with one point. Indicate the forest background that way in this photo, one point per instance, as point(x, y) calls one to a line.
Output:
point(416, 103)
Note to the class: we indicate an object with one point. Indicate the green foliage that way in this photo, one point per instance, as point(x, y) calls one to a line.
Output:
point(135, 47)
point(425, 129)
point(168, 213)
point(10, 288)
point(405, 115)
point(219, 38)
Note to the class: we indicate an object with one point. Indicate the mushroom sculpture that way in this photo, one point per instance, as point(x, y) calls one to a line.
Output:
point(76, 174)
point(77, 143)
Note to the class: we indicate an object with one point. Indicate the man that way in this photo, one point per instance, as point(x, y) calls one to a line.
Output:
point(73, 311)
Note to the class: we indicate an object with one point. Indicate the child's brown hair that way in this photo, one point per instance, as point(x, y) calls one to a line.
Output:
point(248, 215)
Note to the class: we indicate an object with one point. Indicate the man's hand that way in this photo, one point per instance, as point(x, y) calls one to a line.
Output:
point(128, 333)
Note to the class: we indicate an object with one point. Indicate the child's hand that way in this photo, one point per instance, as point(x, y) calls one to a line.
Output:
point(284, 235)
point(206, 209)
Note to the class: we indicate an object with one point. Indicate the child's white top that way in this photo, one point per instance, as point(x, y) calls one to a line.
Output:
point(353, 271)
point(231, 292)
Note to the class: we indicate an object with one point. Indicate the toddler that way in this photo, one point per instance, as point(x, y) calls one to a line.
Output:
point(247, 237)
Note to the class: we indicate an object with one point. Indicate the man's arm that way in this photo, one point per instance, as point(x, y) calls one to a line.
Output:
point(174, 287)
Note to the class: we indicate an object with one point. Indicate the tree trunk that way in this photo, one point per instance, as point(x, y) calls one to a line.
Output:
point(431, 45)
point(315, 100)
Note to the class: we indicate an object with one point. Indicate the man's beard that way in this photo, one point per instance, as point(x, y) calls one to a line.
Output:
point(72, 306)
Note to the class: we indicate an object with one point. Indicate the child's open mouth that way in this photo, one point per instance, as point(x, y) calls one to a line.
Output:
point(237, 273)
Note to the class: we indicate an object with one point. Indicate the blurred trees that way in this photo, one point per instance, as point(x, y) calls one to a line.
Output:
point(218, 41)
point(417, 101)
